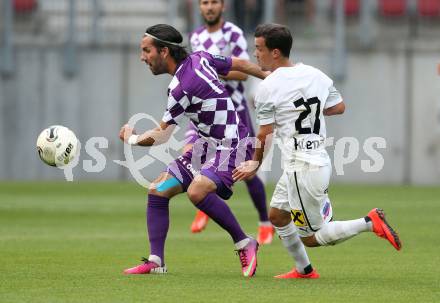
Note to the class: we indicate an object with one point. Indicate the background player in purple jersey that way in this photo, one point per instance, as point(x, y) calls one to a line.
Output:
point(205, 172)
point(219, 37)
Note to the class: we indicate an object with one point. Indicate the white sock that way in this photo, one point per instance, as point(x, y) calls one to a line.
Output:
point(241, 244)
point(291, 241)
point(155, 259)
point(338, 231)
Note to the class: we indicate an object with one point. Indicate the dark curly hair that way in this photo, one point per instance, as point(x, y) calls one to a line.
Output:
point(167, 33)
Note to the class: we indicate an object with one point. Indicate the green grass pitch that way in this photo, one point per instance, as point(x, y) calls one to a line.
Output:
point(69, 242)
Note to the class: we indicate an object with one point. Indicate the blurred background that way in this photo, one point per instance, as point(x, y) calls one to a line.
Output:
point(76, 63)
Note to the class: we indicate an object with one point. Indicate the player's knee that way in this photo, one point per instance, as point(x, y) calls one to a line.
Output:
point(278, 218)
point(274, 219)
point(309, 241)
point(164, 186)
point(199, 188)
point(153, 191)
point(195, 194)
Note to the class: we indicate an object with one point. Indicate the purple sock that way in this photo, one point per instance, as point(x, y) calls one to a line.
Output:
point(220, 212)
point(158, 222)
point(258, 195)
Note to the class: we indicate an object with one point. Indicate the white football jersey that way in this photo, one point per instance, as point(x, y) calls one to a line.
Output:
point(293, 99)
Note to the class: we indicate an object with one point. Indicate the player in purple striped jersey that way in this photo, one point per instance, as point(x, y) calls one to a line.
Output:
point(219, 37)
point(205, 172)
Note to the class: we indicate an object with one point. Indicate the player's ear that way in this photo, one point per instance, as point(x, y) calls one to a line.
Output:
point(165, 51)
point(276, 53)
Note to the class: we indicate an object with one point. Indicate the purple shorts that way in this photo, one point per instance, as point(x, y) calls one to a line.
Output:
point(217, 165)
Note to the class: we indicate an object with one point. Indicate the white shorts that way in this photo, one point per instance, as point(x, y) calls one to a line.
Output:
point(304, 193)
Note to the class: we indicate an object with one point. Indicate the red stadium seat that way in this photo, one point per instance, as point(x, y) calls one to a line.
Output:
point(24, 6)
point(392, 7)
point(428, 8)
point(351, 7)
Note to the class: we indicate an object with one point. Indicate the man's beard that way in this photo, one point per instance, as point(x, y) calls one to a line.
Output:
point(213, 22)
point(159, 69)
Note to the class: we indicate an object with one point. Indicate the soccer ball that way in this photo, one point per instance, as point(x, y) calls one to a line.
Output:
point(57, 145)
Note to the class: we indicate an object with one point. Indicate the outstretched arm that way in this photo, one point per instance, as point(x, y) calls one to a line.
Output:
point(156, 136)
point(234, 75)
point(247, 67)
point(249, 168)
point(337, 109)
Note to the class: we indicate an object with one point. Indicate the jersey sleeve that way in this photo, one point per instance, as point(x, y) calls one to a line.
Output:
point(265, 107)
point(239, 45)
point(177, 103)
point(191, 41)
point(334, 97)
point(221, 64)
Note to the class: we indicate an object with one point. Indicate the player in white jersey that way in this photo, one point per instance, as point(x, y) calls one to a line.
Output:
point(292, 102)
point(219, 37)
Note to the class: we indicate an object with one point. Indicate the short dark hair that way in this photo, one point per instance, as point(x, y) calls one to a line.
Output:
point(223, 1)
point(276, 36)
point(167, 33)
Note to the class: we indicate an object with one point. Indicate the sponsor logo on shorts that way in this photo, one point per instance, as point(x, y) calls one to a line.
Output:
point(298, 217)
point(326, 210)
point(188, 166)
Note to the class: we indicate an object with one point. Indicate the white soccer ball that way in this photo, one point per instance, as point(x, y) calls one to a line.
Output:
point(57, 145)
